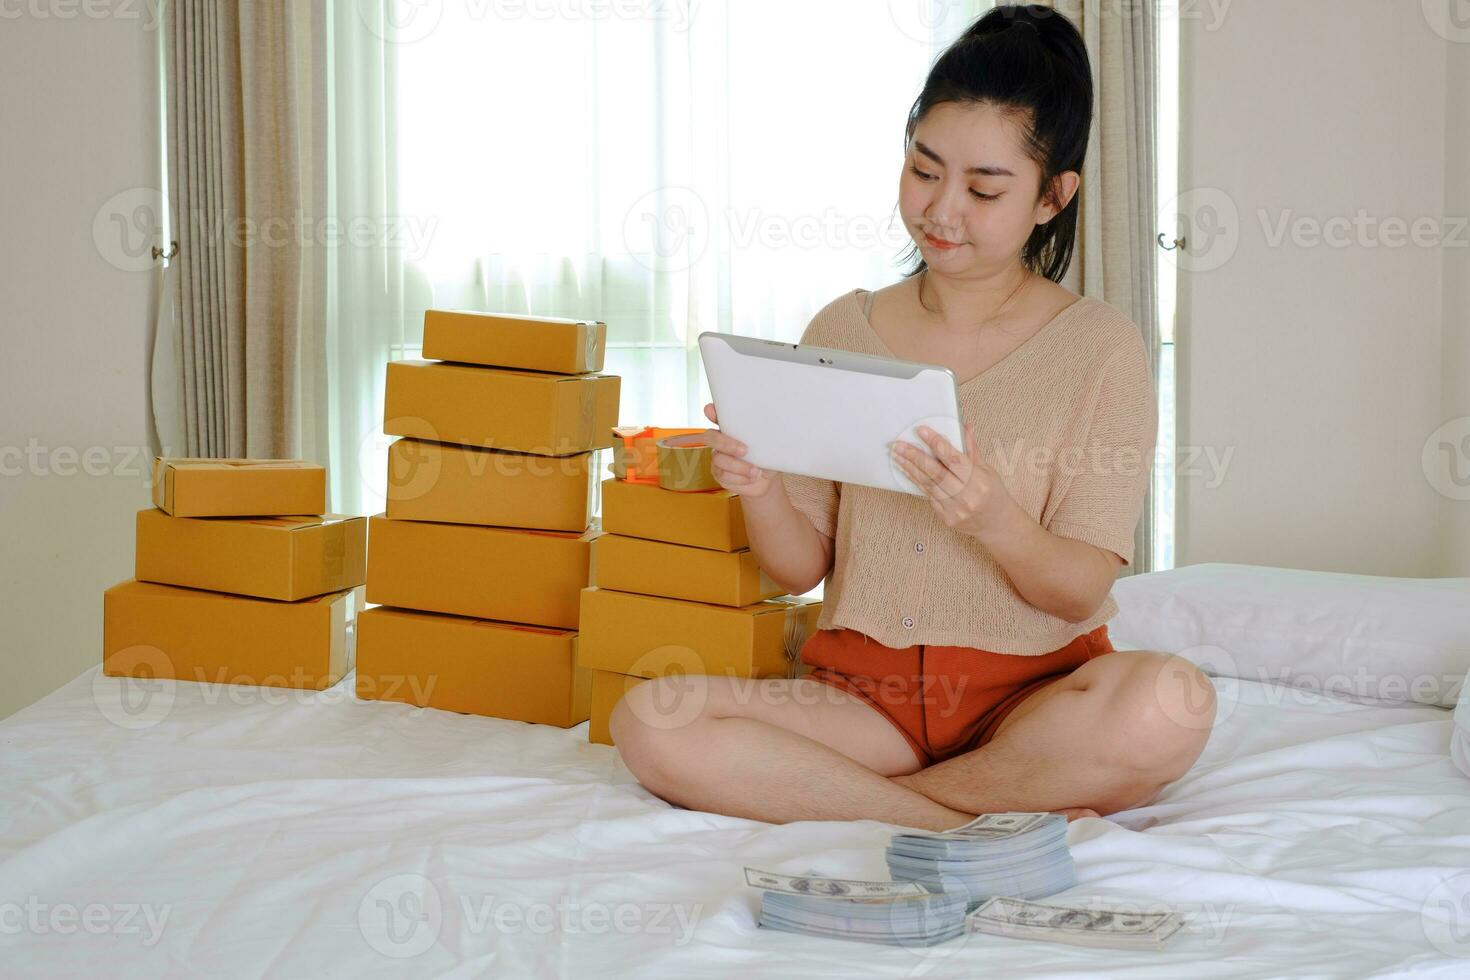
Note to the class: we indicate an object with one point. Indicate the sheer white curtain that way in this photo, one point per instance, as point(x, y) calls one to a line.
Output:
point(669, 167)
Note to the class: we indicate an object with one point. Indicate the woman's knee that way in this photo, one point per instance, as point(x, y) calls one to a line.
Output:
point(649, 724)
point(1163, 708)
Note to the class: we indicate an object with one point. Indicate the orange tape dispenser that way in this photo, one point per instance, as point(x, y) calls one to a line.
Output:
point(675, 459)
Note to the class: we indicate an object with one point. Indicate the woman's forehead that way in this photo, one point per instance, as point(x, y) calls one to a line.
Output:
point(974, 135)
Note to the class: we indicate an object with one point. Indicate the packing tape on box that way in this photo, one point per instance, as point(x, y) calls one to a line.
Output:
point(334, 551)
point(684, 463)
point(793, 633)
point(589, 414)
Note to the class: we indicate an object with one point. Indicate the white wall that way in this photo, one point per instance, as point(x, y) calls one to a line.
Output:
point(1318, 366)
point(77, 127)
point(1456, 398)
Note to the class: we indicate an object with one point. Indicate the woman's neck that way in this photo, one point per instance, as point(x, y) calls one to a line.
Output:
point(969, 304)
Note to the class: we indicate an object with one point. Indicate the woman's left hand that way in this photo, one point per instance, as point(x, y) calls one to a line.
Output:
point(966, 492)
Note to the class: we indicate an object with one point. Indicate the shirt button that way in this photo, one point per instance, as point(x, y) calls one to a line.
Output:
point(919, 547)
point(908, 622)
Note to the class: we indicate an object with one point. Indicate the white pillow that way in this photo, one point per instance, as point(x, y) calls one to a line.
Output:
point(1368, 638)
point(1460, 731)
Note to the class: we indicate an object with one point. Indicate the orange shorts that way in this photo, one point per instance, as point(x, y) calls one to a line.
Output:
point(944, 700)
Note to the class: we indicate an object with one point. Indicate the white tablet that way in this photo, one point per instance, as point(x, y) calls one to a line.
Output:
point(827, 413)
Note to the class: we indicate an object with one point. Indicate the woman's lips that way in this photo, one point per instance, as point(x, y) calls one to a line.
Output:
point(940, 243)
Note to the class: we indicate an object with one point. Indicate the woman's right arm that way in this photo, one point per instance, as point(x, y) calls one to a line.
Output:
point(785, 544)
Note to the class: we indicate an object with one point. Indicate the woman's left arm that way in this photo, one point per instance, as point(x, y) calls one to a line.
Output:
point(1061, 576)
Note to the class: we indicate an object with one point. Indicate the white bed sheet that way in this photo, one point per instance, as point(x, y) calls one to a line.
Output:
point(293, 834)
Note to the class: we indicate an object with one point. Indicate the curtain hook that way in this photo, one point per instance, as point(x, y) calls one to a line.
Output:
point(158, 253)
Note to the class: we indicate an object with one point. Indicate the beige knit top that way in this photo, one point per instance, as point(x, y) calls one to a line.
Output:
point(1069, 420)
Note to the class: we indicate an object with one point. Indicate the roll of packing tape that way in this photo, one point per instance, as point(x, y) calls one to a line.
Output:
point(684, 463)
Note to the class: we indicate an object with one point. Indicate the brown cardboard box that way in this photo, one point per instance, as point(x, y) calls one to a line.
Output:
point(238, 487)
point(151, 630)
point(506, 340)
point(652, 636)
point(510, 574)
point(701, 518)
point(491, 408)
point(284, 558)
point(729, 578)
point(608, 689)
point(503, 670)
point(435, 481)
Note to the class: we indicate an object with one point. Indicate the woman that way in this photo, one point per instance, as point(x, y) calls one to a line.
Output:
point(962, 662)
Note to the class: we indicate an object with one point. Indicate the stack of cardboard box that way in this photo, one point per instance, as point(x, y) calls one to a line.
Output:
point(237, 579)
point(678, 591)
point(485, 544)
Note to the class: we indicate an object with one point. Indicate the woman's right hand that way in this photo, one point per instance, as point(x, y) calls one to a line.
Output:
point(730, 470)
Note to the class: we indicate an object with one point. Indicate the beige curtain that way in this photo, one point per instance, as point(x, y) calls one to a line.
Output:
point(1115, 259)
point(245, 90)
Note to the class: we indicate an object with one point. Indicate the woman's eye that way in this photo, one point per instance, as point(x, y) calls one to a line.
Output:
point(922, 175)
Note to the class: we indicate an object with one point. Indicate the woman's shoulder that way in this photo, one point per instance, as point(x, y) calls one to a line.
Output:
point(835, 324)
point(1105, 330)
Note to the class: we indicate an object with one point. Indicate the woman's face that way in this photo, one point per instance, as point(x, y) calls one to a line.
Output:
point(969, 194)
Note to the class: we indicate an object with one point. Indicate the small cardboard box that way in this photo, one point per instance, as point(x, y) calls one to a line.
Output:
point(530, 343)
point(434, 481)
point(510, 574)
point(151, 630)
point(650, 636)
point(700, 518)
point(608, 689)
point(728, 578)
point(238, 487)
point(285, 558)
point(491, 408)
point(503, 670)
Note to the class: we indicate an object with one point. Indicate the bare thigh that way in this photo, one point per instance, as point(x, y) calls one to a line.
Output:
point(809, 708)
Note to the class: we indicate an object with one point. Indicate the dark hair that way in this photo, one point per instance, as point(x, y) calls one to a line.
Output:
point(1029, 60)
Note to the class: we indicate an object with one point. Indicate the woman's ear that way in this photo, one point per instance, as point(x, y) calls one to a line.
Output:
point(1063, 187)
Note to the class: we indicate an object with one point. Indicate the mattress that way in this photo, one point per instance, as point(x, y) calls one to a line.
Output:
point(223, 831)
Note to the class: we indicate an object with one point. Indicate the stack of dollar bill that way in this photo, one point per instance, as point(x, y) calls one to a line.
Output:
point(899, 913)
point(1018, 855)
point(1110, 928)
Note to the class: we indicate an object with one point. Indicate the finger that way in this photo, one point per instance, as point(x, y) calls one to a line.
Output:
point(946, 453)
point(721, 443)
point(709, 412)
point(913, 468)
point(939, 476)
point(736, 467)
